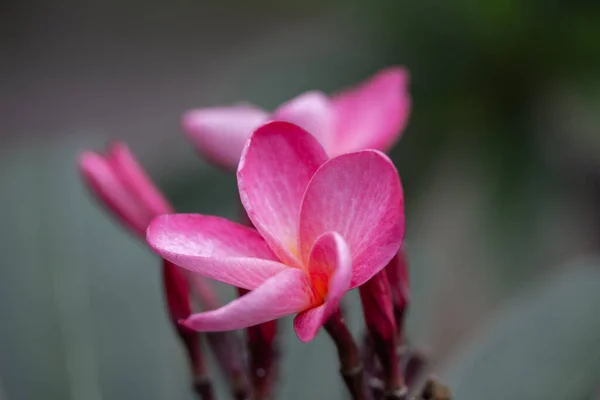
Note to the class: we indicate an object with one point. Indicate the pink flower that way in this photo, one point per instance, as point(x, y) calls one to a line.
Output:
point(323, 227)
point(121, 184)
point(370, 116)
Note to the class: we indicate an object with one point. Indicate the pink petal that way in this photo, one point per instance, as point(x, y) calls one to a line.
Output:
point(330, 264)
point(311, 111)
point(288, 292)
point(102, 180)
point(135, 178)
point(373, 115)
point(358, 195)
point(219, 133)
point(277, 163)
point(215, 248)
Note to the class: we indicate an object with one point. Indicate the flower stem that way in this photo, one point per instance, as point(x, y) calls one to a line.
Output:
point(203, 387)
point(202, 383)
point(262, 353)
point(227, 350)
point(351, 366)
point(414, 363)
point(262, 360)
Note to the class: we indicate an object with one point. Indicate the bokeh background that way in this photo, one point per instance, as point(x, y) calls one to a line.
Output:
point(500, 163)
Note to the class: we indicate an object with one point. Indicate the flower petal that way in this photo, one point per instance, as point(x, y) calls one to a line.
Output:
point(286, 293)
point(373, 115)
point(358, 195)
point(311, 111)
point(135, 178)
point(329, 268)
point(102, 180)
point(215, 248)
point(276, 165)
point(219, 133)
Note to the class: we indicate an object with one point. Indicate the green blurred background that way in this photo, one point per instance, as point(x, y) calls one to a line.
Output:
point(500, 163)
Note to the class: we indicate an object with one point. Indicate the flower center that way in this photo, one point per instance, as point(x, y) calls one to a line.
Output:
point(320, 282)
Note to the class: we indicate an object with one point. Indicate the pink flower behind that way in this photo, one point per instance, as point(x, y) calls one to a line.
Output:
point(323, 227)
point(369, 116)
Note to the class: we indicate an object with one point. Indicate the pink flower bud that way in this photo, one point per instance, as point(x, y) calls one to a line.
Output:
point(379, 316)
point(397, 273)
point(120, 184)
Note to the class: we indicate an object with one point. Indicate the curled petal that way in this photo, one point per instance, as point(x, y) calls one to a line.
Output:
point(312, 112)
point(102, 180)
point(373, 115)
point(134, 178)
point(277, 163)
point(215, 248)
point(288, 292)
point(330, 269)
point(358, 195)
point(219, 133)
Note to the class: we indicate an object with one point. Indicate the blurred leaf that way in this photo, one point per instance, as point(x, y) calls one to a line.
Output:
point(542, 346)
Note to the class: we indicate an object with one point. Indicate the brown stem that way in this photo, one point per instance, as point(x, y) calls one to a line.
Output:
point(373, 370)
point(262, 359)
point(227, 350)
point(351, 366)
point(414, 363)
point(201, 381)
point(262, 351)
point(203, 387)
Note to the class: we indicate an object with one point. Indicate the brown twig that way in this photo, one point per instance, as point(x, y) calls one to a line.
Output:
point(203, 387)
point(414, 363)
point(351, 366)
point(227, 350)
point(373, 370)
point(262, 351)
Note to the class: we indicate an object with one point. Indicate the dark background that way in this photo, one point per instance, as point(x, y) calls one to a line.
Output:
point(500, 164)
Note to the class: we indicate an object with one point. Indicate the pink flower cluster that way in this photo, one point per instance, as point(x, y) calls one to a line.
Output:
point(325, 204)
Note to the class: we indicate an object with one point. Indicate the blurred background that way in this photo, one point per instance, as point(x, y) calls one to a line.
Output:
point(500, 164)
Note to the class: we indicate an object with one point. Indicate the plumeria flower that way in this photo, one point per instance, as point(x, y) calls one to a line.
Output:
point(323, 226)
point(369, 116)
point(121, 184)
